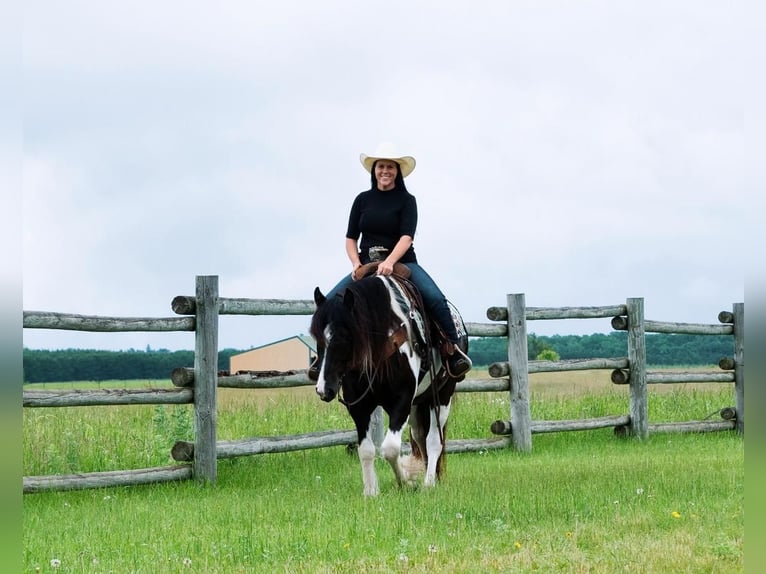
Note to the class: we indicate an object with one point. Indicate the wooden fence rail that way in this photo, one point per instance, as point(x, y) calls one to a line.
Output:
point(89, 398)
point(69, 322)
point(631, 370)
point(108, 478)
point(198, 386)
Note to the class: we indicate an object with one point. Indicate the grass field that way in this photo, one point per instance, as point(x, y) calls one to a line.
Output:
point(580, 502)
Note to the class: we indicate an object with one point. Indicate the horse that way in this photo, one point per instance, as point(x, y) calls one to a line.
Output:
point(374, 348)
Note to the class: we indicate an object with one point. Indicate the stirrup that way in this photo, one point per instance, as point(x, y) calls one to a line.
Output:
point(461, 356)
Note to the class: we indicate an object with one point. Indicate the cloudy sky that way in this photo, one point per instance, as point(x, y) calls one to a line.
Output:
point(578, 152)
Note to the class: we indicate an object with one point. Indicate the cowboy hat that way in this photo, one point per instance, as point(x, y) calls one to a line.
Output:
point(387, 150)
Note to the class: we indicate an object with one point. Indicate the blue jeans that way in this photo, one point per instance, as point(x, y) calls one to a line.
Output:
point(433, 298)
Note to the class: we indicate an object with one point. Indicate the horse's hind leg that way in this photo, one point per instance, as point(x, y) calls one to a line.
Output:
point(434, 441)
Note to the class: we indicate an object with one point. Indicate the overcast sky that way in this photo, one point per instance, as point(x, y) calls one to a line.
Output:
point(578, 152)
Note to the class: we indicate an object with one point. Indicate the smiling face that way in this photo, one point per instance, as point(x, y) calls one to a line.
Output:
point(385, 174)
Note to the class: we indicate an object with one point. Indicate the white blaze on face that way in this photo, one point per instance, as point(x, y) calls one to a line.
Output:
point(321, 380)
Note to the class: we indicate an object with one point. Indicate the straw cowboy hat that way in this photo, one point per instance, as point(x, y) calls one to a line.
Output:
point(387, 150)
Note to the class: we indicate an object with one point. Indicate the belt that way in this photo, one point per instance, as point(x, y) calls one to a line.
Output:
point(377, 253)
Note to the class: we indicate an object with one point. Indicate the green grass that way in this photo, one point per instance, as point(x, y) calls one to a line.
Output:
point(580, 502)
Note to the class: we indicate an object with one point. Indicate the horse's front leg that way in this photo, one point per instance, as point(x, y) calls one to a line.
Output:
point(366, 450)
point(391, 448)
point(434, 443)
point(367, 459)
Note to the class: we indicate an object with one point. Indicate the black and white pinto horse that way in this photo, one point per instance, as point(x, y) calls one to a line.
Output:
point(374, 350)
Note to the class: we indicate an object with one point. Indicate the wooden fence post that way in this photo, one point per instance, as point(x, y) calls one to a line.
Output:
point(739, 364)
point(377, 427)
point(639, 407)
point(521, 418)
point(206, 379)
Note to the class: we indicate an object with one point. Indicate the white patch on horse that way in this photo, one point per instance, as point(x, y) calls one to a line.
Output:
point(434, 441)
point(366, 452)
point(403, 315)
point(391, 446)
point(412, 358)
point(391, 450)
point(320, 379)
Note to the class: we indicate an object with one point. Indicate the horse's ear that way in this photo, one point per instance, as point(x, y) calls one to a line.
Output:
point(318, 297)
point(348, 298)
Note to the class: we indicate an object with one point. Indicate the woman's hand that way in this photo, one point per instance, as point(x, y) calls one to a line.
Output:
point(385, 267)
point(356, 267)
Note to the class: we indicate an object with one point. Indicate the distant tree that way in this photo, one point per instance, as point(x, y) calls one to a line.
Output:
point(536, 345)
point(548, 355)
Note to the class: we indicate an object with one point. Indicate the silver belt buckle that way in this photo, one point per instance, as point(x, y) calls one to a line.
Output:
point(377, 253)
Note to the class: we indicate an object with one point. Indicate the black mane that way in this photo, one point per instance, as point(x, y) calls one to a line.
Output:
point(361, 316)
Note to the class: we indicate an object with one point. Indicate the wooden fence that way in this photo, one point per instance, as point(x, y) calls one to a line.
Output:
point(199, 385)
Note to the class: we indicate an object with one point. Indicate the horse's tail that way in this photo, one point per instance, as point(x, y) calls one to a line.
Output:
point(415, 448)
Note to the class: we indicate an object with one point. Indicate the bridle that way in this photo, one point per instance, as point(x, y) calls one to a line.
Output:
point(395, 340)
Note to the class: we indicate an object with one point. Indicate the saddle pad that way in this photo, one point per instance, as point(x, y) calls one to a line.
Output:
point(458, 320)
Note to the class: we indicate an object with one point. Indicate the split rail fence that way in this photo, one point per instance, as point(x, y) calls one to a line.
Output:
point(198, 386)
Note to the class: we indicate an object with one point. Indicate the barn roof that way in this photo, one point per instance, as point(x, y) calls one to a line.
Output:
point(305, 339)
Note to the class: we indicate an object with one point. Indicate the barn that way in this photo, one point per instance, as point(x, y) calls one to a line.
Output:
point(291, 354)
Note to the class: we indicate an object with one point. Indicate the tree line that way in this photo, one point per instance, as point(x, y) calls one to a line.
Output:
point(95, 365)
point(662, 349)
point(42, 366)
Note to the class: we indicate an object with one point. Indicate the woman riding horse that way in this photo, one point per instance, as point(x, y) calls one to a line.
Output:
point(381, 227)
point(373, 342)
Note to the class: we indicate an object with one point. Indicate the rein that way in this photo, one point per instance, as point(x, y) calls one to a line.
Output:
point(346, 404)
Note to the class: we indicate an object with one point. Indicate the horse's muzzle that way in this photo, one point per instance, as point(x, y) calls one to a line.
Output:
point(326, 395)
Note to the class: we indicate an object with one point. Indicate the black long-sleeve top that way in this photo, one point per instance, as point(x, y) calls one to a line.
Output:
point(381, 218)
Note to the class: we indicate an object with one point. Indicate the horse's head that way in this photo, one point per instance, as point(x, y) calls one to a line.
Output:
point(351, 330)
point(329, 327)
